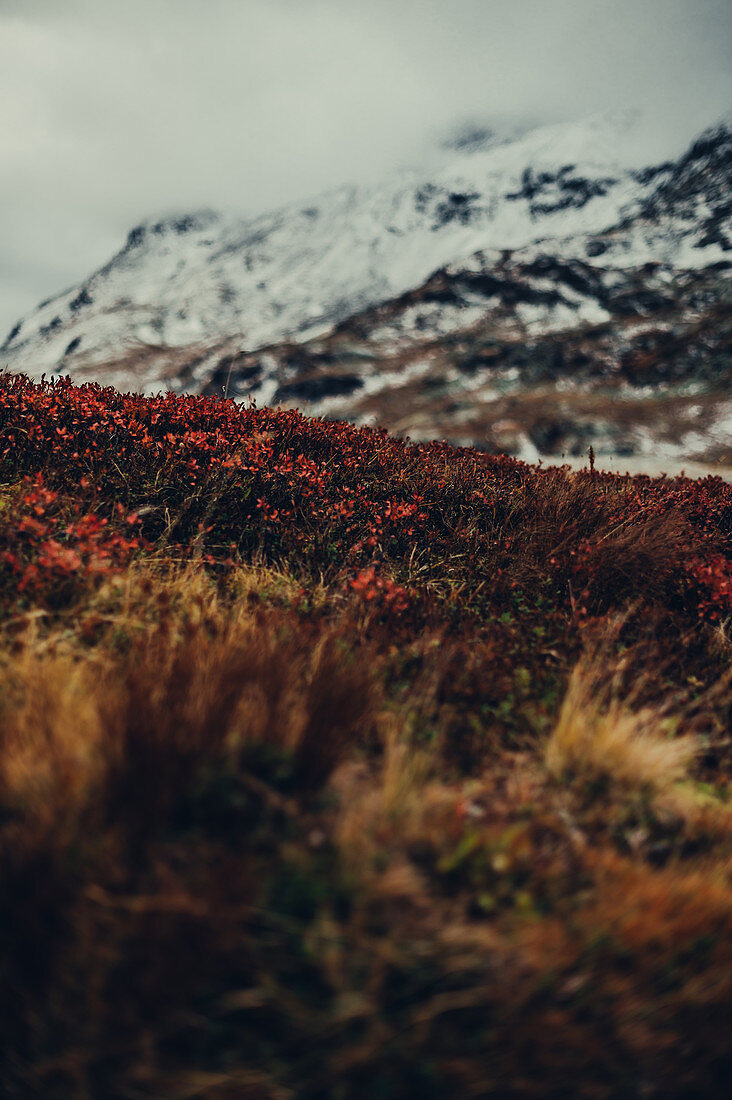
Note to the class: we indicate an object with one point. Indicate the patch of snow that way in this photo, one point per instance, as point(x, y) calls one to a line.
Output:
point(265, 391)
point(527, 452)
point(538, 319)
point(427, 320)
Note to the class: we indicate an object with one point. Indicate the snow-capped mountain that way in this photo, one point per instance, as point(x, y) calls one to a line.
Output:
point(373, 299)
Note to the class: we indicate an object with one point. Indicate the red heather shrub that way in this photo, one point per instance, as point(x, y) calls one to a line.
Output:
point(112, 474)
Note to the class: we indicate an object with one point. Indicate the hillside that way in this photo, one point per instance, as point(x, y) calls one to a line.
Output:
point(533, 293)
point(337, 765)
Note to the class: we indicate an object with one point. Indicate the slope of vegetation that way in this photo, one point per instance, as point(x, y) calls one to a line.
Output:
point(336, 766)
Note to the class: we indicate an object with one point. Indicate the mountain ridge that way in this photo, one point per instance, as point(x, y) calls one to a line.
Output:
point(190, 292)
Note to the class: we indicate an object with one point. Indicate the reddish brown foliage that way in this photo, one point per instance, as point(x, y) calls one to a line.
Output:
point(108, 474)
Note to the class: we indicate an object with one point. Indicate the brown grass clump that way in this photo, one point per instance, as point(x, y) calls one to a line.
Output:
point(204, 691)
point(613, 741)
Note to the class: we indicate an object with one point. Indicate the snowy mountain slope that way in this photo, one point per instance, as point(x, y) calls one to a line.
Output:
point(191, 281)
point(544, 350)
point(523, 352)
point(533, 294)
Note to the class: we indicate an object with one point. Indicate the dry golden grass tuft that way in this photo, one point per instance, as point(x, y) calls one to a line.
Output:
point(52, 737)
point(595, 739)
point(178, 679)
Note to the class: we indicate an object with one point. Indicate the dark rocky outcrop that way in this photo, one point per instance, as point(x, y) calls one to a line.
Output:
point(316, 389)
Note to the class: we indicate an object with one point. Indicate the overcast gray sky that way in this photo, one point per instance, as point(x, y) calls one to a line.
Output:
point(112, 111)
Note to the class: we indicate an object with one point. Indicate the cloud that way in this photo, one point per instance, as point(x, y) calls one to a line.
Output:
point(116, 111)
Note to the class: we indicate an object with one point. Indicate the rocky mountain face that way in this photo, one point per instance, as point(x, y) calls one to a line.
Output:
point(536, 295)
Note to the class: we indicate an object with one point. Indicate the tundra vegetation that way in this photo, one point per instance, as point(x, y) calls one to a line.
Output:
point(333, 765)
